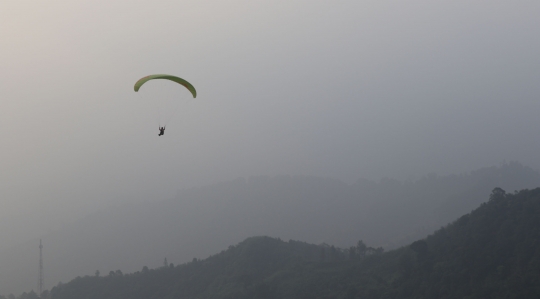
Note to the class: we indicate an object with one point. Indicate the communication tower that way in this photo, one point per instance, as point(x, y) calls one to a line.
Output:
point(40, 281)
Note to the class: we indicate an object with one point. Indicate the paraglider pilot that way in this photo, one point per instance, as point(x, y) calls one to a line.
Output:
point(161, 131)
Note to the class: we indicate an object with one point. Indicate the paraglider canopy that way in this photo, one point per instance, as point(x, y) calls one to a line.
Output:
point(178, 80)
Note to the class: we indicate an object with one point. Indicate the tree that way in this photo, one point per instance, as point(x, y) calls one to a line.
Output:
point(361, 248)
point(497, 193)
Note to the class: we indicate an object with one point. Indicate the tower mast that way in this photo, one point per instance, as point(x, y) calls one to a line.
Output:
point(40, 282)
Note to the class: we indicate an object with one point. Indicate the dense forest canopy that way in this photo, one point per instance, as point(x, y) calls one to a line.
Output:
point(492, 252)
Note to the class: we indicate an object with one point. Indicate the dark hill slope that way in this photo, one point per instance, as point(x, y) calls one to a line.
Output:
point(202, 221)
point(493, 252)
point(240, 269)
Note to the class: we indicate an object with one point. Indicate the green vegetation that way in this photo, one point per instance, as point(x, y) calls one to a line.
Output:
point(493, 252)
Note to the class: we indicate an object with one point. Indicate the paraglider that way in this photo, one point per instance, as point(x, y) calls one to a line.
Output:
point(178, 80)
point(175, 79)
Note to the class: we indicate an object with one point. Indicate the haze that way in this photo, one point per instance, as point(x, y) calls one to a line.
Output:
point(340, 89)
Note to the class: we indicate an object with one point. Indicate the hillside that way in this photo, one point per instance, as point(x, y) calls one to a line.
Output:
point(493, 252)
point(202, 221)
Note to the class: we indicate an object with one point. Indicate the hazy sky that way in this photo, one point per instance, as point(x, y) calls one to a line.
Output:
point(343, 89)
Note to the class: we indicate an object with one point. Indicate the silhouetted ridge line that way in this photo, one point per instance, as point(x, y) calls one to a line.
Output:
point(492, 252)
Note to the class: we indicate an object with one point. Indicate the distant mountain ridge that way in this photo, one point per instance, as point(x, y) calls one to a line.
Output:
point(493, 252)
point(202, 221)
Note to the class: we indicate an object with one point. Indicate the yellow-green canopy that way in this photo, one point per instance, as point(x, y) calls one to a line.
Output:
point(178, 80)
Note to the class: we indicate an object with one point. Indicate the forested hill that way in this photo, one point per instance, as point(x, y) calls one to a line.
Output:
point(493, 252)
point(202, 221)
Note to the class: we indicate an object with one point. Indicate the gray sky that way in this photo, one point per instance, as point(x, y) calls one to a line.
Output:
point(343, 89)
